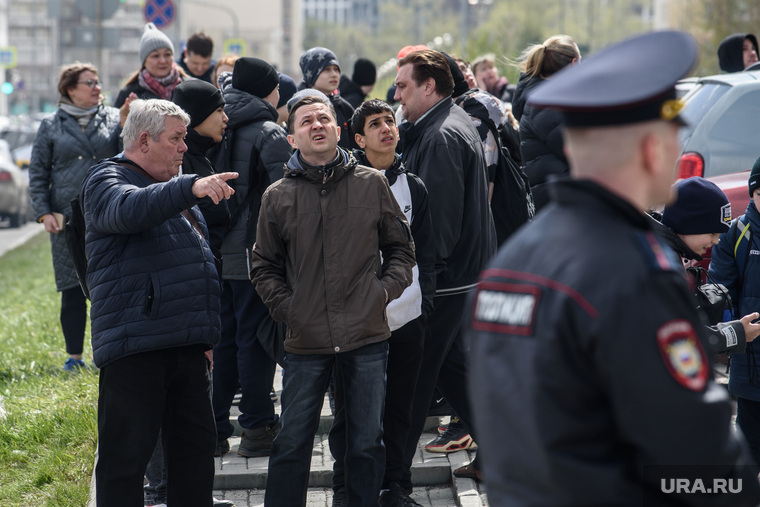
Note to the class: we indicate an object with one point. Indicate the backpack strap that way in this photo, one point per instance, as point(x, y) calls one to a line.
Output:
point(745, 232)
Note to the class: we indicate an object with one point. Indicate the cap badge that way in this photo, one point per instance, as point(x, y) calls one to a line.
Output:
point(671, 108)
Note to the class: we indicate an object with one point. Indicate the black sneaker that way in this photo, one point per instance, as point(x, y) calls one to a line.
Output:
point(222, 448)
point(395, 497)
point(455, 438)
point(257, 442)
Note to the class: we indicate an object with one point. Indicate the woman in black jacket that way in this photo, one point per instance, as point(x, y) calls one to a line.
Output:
point(541, 143)
point(80, 133)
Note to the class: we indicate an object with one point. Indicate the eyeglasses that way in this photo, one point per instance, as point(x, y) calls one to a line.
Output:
point(92, 83)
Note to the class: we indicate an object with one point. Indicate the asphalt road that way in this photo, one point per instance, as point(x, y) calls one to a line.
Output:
point(12, 238)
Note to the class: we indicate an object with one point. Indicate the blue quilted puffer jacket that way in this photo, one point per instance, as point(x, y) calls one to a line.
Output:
point(151, 274)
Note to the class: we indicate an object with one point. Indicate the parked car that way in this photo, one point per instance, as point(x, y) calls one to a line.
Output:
point(722, 140)
point(15, 204)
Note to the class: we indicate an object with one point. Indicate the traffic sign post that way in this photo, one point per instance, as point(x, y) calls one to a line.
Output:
point(8, 58)
point(234, 47)
point(159, 12)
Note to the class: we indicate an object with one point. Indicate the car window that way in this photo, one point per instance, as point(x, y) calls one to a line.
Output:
point(735, 137)
point(698, 101)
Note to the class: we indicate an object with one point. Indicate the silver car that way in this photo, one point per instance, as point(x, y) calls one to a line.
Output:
point(15, 204)
point(722, 140)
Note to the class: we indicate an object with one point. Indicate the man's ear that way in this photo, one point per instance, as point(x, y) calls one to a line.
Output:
point(360, 141)
point(429, 86)
point(338, 133)
point(143, 140)
point(651, 154)
point(292, 141)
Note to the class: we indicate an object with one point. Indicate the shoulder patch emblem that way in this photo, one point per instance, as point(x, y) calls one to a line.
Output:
point(683, 354)
point(505, 308)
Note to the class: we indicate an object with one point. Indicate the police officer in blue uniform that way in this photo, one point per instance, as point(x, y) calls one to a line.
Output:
point(589, 378)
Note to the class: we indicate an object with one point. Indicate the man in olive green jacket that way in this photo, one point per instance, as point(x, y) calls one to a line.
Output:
point(318, 267)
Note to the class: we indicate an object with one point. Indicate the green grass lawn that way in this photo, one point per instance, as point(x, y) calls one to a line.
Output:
point(48, 433)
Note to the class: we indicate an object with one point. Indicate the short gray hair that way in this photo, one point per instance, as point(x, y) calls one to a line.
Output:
point(149, 116)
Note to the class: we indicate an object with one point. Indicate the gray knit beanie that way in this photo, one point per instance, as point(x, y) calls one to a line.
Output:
point(153, 39)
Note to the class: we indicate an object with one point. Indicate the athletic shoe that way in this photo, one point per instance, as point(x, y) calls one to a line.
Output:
point(455, 438)
point(72, 364)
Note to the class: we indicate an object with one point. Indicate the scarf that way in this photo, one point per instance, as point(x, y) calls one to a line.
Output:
point(82, 116)
point(161, 87)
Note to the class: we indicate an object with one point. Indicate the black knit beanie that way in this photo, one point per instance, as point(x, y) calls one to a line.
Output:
point(198, 99)
point(254, 76)
point(701, 208)
point(754, 177)
point(287, 89)
point(365, 72)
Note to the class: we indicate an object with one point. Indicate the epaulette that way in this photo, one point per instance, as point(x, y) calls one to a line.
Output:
point(657, 255)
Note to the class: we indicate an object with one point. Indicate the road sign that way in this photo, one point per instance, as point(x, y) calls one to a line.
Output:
point(8, 57)
point(234, 47)
point(159, 12)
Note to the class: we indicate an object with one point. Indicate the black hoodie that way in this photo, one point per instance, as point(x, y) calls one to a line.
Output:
point(730, 51)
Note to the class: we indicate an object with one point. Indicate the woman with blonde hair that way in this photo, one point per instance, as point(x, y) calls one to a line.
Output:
point(80, 133)
point(158, 74)
point(541, 143)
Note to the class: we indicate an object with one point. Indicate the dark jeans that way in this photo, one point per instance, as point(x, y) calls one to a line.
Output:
point(404, 359)
point(240, 355)
point(748, 420)
point(360, 375)
point(443, 366)
point(167, 390)
point(73, 319)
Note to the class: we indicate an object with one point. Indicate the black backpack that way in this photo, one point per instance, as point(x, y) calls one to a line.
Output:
point(220, 156)
point(512, 201)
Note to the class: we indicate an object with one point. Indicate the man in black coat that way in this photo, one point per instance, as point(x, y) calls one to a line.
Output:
point(592, 384)
point(442, 147)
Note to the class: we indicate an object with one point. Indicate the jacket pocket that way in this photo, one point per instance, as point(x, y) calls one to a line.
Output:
point(153, 296)
point(289, 312)
point(383, 296)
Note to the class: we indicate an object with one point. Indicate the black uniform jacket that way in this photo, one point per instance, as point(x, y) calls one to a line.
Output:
point(588, 369)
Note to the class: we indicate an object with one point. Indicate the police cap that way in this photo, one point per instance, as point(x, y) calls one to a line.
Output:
point(628, 82)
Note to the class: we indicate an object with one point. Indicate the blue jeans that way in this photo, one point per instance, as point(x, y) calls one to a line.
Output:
point(155, 472)
point(404, 359)
point(362, 375)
